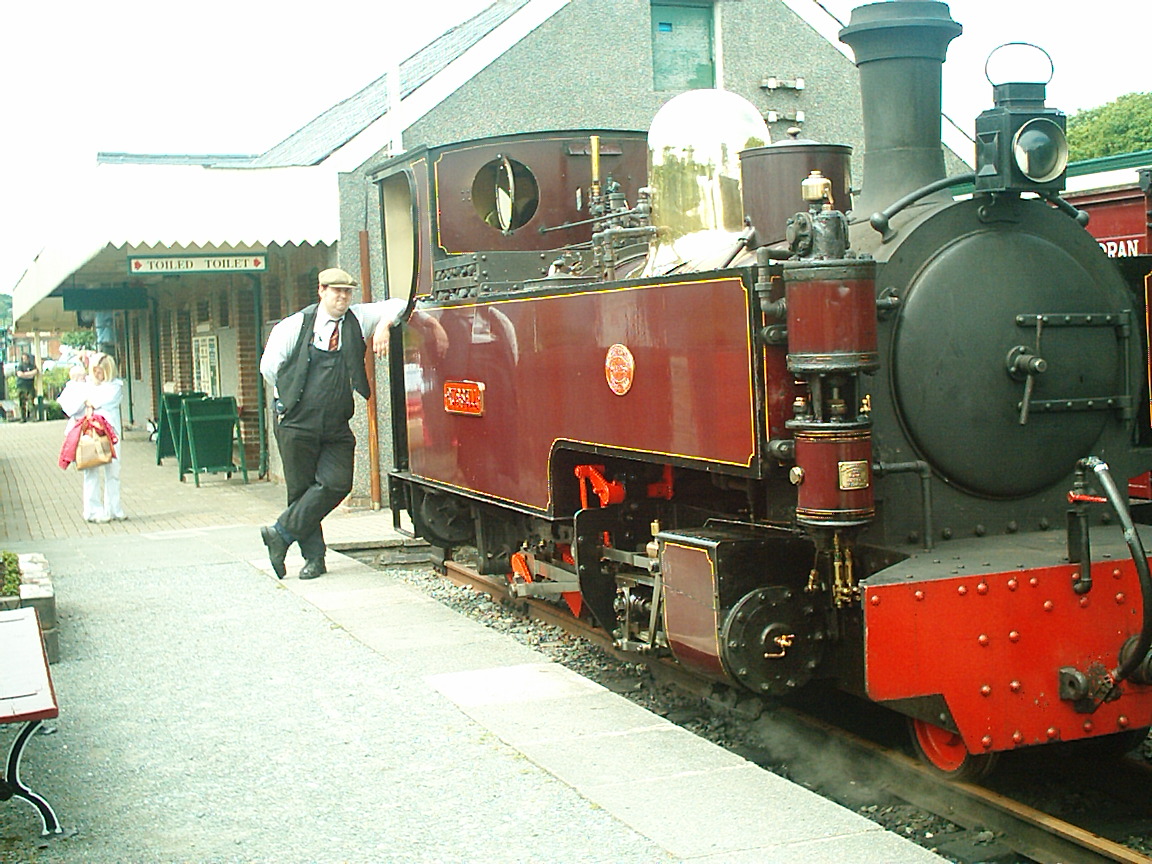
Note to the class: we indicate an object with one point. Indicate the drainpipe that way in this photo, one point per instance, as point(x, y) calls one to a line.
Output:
point(125, 373)
point(258, 314)
point(370, 368)
point(157, 365)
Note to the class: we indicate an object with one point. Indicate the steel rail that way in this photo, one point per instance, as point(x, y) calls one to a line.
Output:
point(1042, 837)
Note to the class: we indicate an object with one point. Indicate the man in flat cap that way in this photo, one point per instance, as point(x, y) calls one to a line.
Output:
point(313, 361)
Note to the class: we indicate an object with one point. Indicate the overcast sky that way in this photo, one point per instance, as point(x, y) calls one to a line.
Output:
point(237, 76)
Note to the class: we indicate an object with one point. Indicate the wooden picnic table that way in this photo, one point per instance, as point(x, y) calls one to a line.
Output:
point(26, 696)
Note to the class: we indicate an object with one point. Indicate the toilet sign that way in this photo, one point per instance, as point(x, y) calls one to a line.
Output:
point(169, 265)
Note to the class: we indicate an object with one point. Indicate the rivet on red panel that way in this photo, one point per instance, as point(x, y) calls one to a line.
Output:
point(1120, 599)
point(986, 690)
point(1053, 732)
point(1013, 584)
point(1088, 726)
point(1049, 605)
point(1014, 636)
point(1034, 581)
point(1015, 686)
point(982, 588)
point(1122, 721)
point(1018, 737)
point(982, 639)
point(1083, 602)
point(874, 599)
point(987, 742)
point(962, 590)
point(919, 595)
point(1116, 574)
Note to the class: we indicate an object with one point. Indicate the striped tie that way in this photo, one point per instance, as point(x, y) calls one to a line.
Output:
point(334, 339)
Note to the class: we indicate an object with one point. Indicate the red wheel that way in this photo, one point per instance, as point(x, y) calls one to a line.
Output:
point(945, 753)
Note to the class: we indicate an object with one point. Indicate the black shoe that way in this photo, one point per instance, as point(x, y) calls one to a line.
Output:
point(313, 568)
point(277, 549)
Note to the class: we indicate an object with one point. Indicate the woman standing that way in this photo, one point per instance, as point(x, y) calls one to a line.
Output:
point(102, 393)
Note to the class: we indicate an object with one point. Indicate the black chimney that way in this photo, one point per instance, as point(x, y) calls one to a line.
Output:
point(900, 48)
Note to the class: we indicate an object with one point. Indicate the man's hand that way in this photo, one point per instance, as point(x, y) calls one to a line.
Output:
point(380, 340)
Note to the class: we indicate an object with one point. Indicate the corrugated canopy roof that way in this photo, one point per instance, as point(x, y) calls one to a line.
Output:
point(182, 206)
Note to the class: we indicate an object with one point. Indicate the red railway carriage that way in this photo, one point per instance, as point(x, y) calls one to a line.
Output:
point(1120, 213)
point(1118, 202)
point(877, 454)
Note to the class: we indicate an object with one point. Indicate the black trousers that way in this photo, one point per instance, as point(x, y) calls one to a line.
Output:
point(26, 397)
point(318, 469)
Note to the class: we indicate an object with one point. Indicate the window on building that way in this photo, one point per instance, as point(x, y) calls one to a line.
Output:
point(223, 308)
point(272, 302)
point(682, 51)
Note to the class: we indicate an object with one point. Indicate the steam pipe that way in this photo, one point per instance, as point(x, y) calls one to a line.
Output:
point(880, 220)
point(1139, 558)
point(634, 211)
point(1053, 198)
point(925, 471)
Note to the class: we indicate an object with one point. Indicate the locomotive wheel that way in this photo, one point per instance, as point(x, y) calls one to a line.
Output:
point(945, 753)
point(443, 519)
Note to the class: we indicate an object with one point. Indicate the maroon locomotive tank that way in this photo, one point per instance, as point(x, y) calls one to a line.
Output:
point(548, 371)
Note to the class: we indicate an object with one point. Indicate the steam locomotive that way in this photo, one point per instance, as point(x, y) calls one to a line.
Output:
point(678, 383)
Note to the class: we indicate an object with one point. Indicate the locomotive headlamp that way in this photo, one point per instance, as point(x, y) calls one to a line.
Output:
point(1020, 143)
point(1040, 150)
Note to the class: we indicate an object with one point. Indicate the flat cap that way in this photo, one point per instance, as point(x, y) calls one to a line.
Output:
point(334, 277)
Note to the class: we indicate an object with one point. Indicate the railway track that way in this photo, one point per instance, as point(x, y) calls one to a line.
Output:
point(1040, 836)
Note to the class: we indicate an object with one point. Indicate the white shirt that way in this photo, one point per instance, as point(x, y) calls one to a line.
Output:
point(105, 399)
point(322, 331)
point(283, 337)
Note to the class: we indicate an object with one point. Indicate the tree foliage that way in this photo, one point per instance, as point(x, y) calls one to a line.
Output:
point(82, 339)
point(1121, 126)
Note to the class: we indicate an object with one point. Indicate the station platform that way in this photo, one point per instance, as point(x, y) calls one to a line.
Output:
point(212, 713)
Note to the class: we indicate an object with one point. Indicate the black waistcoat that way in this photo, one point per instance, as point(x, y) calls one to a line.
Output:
point(293, 372)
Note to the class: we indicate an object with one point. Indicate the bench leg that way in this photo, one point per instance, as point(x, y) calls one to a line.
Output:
point(10, 783)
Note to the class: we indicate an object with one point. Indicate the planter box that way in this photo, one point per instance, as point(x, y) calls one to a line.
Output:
point(36, 590)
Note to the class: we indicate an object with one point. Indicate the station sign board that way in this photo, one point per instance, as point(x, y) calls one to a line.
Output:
point(170, 265)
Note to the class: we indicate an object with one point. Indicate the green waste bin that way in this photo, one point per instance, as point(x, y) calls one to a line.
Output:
point(168, 431)
point(209, 427)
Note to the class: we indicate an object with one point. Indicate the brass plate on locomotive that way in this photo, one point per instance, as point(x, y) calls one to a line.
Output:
point(853, 475)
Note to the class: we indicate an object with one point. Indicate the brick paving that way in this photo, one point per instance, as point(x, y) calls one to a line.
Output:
point(39, 501)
